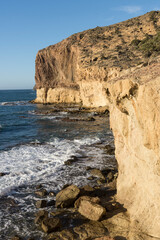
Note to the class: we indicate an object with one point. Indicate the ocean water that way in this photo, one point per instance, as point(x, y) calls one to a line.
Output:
point(33, 149)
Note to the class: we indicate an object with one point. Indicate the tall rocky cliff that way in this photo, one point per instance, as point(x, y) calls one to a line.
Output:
point(117, 67)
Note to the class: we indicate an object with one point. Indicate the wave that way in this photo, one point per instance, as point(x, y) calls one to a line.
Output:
point(35, 163)
point(14, 103)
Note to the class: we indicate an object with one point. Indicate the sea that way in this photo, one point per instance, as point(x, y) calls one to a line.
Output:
point(33, 149)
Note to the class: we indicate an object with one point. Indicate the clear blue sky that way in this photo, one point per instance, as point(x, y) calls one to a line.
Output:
point(27, 26)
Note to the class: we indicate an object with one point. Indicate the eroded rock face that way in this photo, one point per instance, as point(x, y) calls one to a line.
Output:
point(77, 69)
point(102, 67)
point(134, 117)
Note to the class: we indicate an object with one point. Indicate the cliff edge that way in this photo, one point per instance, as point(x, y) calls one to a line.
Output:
point(117, 67)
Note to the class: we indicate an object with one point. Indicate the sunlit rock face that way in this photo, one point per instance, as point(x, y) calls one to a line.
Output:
point(116, 67)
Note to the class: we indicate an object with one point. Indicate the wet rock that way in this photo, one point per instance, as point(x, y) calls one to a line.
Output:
point(67, 196)
point(97, 173)
point(91, 119)
point(39, 186)
point(51, 203)
point(16, 238)
point(41, 203)
point(91, 199)
point(50, 225)
point(91, 210)
point(71, 160)
point(63, 235)
point(90, 178)
point(109, 150)
point(3, 174)
point(51, 194)
point(40, 216)
point(91, 230)
point(41, 193)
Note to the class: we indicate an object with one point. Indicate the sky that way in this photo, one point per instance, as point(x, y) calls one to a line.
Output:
point(26, 26)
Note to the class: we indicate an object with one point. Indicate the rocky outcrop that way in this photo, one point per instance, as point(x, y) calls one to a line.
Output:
point(117, 67)
point(77, 69)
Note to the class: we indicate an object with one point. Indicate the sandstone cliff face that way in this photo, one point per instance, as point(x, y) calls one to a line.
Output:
point(134, 116)
point(117, 67)
point(84, 62)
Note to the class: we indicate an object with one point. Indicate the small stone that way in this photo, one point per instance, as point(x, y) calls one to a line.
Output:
point(63, 235)
point(39, 186)
point(90, 178)
point(41, 193)
point(51, 194)
point(97, 173)
point(88, 188)
point(50, 225)
point(41, 203)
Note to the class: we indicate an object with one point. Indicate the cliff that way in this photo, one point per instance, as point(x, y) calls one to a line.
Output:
point(116, 67)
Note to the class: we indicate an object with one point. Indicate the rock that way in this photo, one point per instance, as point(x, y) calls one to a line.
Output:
point(16, 238)
point(40, 216)
point(51, 194)
point(63, 235)
point(105, 238)
point(41, 193)
point(110, 176)
point(41, 203)
point(87, 189)
point(91, 210)
point(90, 178)
point(90, 230)
point(39, 186)
point(51, 203)
point(2, 174)
point(71, 160)
point(100, 181)
point(109, 150)
point(91, 199)
point(91, 119)
point(67, 196)
point(50, 225)
point(97, 173)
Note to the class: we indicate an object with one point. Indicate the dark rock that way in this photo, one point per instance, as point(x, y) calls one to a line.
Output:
point(3, 174)
point(63, 235)
point(110, 176)
point(51, 203)
point(41, 193)
point(71, 160)
point(16, 238)
point(91, 119)
point(67, 196)
point(50, 225)
point(109, 150)
point(41, 203)
point(39, 186)
point(90, 230)
point(100, 181)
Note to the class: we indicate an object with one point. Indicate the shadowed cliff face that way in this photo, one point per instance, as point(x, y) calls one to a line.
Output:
point(117, 67)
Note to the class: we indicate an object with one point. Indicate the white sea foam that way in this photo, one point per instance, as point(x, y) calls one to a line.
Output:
point(35, 163)
point(14, 103)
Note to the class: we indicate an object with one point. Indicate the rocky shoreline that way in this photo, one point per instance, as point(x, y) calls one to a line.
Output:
point(78, 213)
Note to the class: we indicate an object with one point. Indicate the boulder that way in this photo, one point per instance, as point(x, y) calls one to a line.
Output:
point(87, 198)
point(63, 235)
point(41, 193)
point(91, 210)
point(67, 196)
point(91, 230)
point(49, 225)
